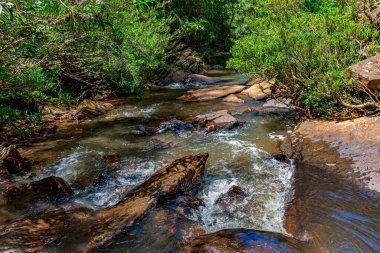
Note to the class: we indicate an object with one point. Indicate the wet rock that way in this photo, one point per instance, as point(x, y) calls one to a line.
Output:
point(111, 161)
point(90, 109)
point(368, 72)
point(192, 233)
point(260, 91)
point(141, 130)
point(236, 190)
point(211, 93)
point(181, 177)
point(358, 140)
point(175, 125)
point(11, 161)
point(50, 187)
point(217, 120)
point(32, 233)
point(189, 202)
point(227, 201)
point(233, 99)
point(35, 232)
point(241, 241)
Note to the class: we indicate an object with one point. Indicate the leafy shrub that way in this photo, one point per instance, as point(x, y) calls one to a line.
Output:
point(306, 46)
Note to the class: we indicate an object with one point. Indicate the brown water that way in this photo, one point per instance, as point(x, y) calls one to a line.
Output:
point(243, 156)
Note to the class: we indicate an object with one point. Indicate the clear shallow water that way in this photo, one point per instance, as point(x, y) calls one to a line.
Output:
point(243, 157)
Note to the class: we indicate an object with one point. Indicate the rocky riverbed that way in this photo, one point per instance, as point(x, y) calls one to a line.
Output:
point(135, 177)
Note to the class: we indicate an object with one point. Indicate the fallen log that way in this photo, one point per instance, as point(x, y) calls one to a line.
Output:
point(36, 232)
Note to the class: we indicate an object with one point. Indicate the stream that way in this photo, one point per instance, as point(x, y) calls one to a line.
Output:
point(244, 156)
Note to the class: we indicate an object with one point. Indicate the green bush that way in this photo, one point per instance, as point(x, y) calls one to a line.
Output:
point(307, 47)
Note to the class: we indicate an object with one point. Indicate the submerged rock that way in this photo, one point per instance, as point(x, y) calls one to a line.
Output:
point(141, 130)
point(227, 201)
point(175, 125)
point(368, 72)
point(211, 93)
point(110, 161)
point(90, 109)
point(50, 187)
point(11, 161)
point(240, 241)
point(37, 231)
point(260, 91)
point(217, 120)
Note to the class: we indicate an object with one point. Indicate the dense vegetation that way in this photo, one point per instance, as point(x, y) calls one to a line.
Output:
point(61, 51)
point(307, 45)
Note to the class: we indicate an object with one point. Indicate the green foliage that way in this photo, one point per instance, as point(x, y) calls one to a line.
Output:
point(306, 46)
point(8, 115)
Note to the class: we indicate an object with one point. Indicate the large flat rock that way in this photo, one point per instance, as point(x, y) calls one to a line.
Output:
point(211, 93)
point(357, 140)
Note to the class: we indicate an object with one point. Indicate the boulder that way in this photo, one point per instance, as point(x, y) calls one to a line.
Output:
point(217, 120)
point(368, 72)
point(211, 93)
point(240, 241)
point(37, 231)
point(90, 109)
point(11, 161)
point(260, 91)
point(233, 99)
point(50, 187)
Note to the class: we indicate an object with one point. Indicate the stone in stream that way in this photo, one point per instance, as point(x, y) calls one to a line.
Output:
point(175, 125)
point(217, 120)
point(90, 109)
point(240, 241)
point(260, 91)
point(233, 99)
point(49, 187)
point(11, 161)
point(35, 232)
point(227, 201)
point(211, 93)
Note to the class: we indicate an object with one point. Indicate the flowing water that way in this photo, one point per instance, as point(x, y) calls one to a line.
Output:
point(243, 156)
